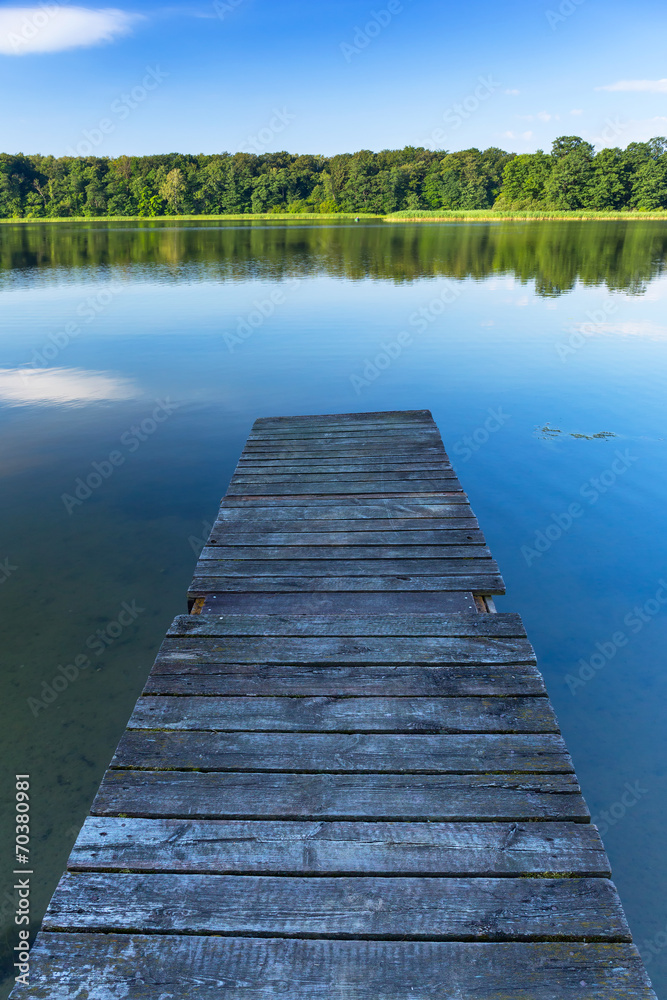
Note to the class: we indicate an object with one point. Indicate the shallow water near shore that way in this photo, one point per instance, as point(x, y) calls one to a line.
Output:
point(134, 359)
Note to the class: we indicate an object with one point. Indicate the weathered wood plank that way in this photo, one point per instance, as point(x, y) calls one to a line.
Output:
point(482, 909)
point(450, 536)
point(337, 603)
point(345, 715)
point(376, 429)
point(381, 454)
point(411, 431)
point(249, 466)
point(172, 675)
point(260, 552)
point(235, 526)
point(265, 795)
point(384, 417)
point(390, 450)
point(384, 447)
point(505, 625)
point(345, 508)
point(364, 476)
point(483, 583)
point(367, 438)
point(358, 753)
point(287, 848)
point(428, 565)
point(363, 650)
point(102, 966)
point(331, 487)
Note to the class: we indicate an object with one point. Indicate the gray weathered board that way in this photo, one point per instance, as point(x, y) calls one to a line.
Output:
point(344, 779)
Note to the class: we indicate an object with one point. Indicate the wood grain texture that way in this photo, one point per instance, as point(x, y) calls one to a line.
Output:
point(439, 553)
point(364, 417)
point(172, 675)
point(478, 583)
point(166, 966)
point(426, 797)
point(397, 529)
point(367, 602)
point(346, 715)
point(359, 753)
point(463, 909)
point(339, 475)
point(310, 535)
point(428, 564)
point(333, 486)
point(288, 848)
point(248, 466)
point(345, 507)
point(361, 649)
point(303, 453)
point(505, 625)
point(414, 432)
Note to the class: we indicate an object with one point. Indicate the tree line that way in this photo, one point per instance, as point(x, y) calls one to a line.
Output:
point(572, 176)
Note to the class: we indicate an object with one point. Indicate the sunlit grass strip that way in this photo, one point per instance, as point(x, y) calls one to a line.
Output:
point(490, 215)
point(407, 215)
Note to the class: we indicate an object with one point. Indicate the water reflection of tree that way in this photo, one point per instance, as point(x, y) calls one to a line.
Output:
point(554, 255)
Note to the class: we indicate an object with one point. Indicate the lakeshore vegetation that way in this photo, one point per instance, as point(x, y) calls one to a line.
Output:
point(411, 183)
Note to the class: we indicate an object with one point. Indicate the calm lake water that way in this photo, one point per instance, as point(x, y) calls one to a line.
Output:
point(527, 342)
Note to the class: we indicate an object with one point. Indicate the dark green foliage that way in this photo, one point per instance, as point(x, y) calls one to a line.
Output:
point(575, 177)
point(572, 176)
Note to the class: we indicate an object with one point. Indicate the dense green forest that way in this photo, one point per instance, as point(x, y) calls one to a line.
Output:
point(571, 176)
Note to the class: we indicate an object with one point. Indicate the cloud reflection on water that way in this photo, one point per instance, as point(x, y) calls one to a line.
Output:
point(62, 387)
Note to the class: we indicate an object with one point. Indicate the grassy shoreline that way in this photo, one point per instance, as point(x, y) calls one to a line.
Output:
point(503, 215)
point(248, 217)
point(436, 215)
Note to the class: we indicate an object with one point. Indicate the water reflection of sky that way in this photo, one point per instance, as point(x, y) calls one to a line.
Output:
point(61, 387)
point(585, 362)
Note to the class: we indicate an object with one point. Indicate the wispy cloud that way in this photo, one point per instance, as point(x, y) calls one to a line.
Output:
point(518, 135)
point(543, 116)
point(577, 111)
point(55, 28)
point(61, 386)
point(645, 86)
point(513, 93)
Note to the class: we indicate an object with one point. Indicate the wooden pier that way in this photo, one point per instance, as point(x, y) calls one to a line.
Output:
point(344, 778)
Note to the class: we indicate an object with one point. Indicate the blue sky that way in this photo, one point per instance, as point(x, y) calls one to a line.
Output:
point(325, 77)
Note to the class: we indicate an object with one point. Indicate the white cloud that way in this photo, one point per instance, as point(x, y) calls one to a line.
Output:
point(577, 111)
point(54, 28)
point(68, 386)
point(647, 86)
point(542, 116)
point(513, 93)
point(520, 135)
